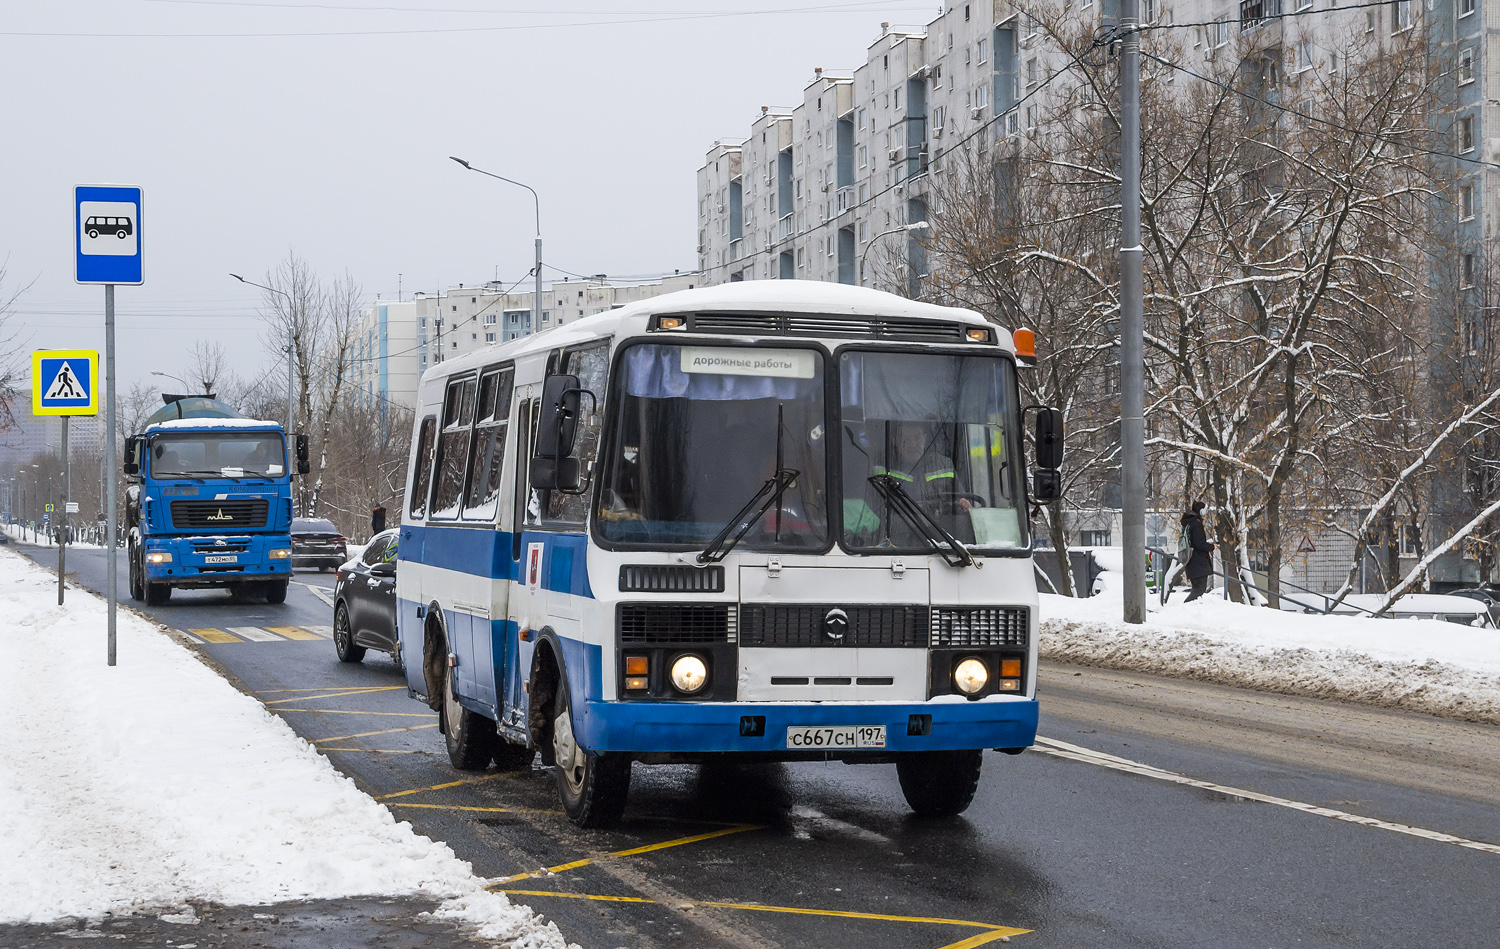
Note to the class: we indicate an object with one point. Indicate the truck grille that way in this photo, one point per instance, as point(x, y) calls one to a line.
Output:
point(670, 578)
point(803, 625)
point(220, 515)
point(676, 623)
point(980, 626)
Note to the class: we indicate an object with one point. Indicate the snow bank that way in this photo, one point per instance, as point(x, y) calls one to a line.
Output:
point(1421, 665)
point(146, 785)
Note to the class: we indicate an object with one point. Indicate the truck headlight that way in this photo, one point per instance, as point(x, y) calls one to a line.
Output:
point(159, 557)
point(970, 676)
point(689, 674)
point(280, 553)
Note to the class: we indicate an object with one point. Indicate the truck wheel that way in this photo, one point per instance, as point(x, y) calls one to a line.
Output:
point(593, 787)
point(137, 590)
point(157, 593)
point(276, 591)
point(343, 637)
point(470, 737)
point(939, 783)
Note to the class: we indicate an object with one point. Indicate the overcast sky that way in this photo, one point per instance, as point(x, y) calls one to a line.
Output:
point(253, 135)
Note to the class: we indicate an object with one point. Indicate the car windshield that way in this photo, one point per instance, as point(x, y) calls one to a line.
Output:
point(944, 430)
point(238, 455)
point(313, 525)
point(699, 430)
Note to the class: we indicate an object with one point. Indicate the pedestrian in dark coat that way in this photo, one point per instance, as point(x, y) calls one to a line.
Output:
point(1200, 561)
point(377, 518)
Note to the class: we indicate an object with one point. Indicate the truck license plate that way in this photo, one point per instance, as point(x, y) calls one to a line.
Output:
point(221, 558)
point(816, 737)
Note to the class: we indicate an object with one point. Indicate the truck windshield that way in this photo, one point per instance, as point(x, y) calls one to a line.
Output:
point(943, 430)
point(699, 430)
point(202, 455)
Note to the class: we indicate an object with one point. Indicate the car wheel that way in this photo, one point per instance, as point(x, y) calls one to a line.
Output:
point(343, 637)
point(276, 591)
point(939, 783)
point(593, 786)
point(470, 737)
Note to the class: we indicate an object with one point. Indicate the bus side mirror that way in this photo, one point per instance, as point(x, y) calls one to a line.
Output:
point(1049, 438)
point(132, 465)
point(301, 443)
point(553, 467)
point(1046, 485)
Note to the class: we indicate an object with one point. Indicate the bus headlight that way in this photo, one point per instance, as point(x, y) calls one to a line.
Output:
point(970, 676)
point(279, 553)
point(159, 557)
point(689, 674)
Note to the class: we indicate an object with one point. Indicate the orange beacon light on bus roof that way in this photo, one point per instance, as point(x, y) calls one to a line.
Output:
point(1025, 341)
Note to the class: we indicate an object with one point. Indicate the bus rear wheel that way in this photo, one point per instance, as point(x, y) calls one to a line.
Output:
point(939, 783)
point(593, 786)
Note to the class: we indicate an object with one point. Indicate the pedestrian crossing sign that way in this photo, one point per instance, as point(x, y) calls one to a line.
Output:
point(65, 382)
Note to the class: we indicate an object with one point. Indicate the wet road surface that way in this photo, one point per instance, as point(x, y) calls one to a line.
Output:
point(1155, 813)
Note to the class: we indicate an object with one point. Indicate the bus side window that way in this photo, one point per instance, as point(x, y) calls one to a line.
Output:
point(522, 490)
point(422, 474)
point(487, 455)
point(452, 449)
point(591, 366)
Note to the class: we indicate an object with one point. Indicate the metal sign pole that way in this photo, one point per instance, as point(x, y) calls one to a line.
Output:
point(1132, 342)
point(111, 553)
point(62, 537)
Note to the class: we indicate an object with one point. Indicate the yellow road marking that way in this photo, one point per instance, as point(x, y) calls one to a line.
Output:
point(990, 934)
point(214, 635)
point(486, 810)
point(387, 731)
point(327, 695)
point(326, 688)
point(346, 711)
point(294, 632)
point(442, 787)
point(633, 851)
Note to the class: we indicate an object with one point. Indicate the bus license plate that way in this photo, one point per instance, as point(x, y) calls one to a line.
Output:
point(814, 737)
point(221, 558)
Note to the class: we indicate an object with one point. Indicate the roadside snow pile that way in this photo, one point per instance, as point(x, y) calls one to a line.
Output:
point(1420, 665)
point(153, 783)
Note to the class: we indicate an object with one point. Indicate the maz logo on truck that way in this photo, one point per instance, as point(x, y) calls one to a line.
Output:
point(219, 515)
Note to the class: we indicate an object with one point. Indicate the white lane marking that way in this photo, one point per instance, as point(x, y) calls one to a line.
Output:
point(1061, 749)
point(320, 593)
point(254, 633)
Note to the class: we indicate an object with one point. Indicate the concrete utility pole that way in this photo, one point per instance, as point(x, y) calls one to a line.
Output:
point(1132, 321)
point(536, 298)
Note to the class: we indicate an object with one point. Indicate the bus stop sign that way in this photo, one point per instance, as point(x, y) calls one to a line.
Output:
point(107, 234)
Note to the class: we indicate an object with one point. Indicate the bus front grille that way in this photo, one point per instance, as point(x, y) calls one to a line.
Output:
point(676, 623)
point(220, 515)
point(808, 625)
point(671, 578)
point(971, 627)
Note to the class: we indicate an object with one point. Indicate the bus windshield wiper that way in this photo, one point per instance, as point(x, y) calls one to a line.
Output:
point(740, 524)
point(948, 546)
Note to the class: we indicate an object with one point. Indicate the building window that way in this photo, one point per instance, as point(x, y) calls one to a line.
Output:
point(1032, 73)
point(1218, 34)
point(864, 156)
point(1465, 7)
point(489, 337)
point(1093, 538)
point(1471, 337)
point(1466, 134)
point(983, 46)
point(1466, 274)
point(1466, 202)
point(1304, 56)
point(1148, 11)
point(1304, 4)
point(1401, 15)
point(1465, 66)
point(1369, 21)
point(1031, 116)
point(455, 309)
point(489, 319)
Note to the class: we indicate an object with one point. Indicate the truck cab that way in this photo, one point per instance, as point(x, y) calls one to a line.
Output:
point(209, 502)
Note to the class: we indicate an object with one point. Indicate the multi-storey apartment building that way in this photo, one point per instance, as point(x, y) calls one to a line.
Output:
point(400, 339)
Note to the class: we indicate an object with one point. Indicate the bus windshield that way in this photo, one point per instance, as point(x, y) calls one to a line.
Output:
point(699, 431)
point(941, 429)
point(202, 455)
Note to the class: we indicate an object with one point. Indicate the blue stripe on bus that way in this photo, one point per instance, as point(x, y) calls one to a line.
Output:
point(483, 552)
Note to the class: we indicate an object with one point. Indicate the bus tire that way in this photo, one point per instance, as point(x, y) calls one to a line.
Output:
point(939, 783)
point(156, 593)
point(593, 786)
point(470, 737)
point(276, 591)
point(343, 637)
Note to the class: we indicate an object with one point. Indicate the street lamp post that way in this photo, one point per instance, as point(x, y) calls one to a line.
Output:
point(168, 375)
point(913, 226)
point(536, 297)
point(289, 309)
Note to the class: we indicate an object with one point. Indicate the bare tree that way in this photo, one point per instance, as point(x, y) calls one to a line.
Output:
point(208, 367)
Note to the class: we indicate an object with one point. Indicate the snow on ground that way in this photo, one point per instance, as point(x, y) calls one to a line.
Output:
point(153, 783)
point(1422, 665)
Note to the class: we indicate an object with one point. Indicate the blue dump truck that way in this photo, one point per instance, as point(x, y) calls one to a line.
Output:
point(209, 501)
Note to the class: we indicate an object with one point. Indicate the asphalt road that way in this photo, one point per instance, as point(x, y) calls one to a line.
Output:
point(1153, 813)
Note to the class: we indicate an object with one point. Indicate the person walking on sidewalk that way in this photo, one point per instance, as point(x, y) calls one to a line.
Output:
point(1200, 559)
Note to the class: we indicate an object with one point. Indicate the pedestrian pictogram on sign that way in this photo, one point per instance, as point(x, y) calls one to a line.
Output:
point(50, 508)
point(64, 382)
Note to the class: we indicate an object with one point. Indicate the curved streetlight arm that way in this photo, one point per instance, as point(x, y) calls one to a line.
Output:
point(290, 306)
point(536, 200)
point(913, 226)
point(158, 372)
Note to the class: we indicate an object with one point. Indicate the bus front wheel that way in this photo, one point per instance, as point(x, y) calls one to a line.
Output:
point(470, 736)
point(593, 786)
point(939, 783)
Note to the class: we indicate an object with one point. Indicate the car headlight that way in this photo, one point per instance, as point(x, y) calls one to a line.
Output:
point(689, 674)
point(970, 676)
point(159, 557)
point(280, 553)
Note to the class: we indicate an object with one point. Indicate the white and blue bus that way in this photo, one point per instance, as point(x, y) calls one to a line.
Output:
point(776, 520)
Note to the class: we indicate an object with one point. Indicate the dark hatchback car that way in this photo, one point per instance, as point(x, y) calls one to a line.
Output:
point(364, 601)
point(317, 543)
